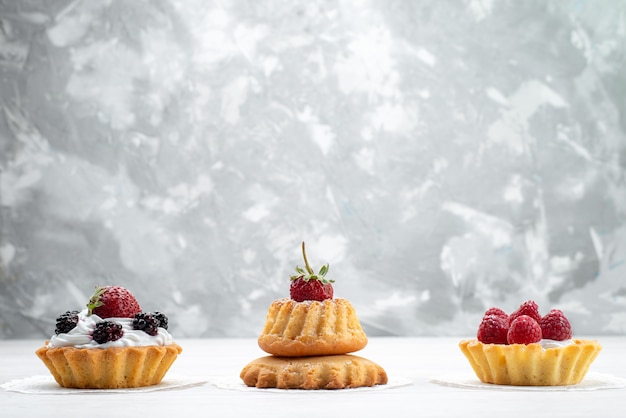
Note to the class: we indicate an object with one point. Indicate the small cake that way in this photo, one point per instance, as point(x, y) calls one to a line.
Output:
point(111, 344)
point(309, 336)
point(530, 364)
point(526, 349)
point(320, 372)
point(312, 322)
point(311, 328)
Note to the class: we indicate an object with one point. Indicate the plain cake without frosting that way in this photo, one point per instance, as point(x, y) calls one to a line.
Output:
point(321, 372)
point(311, 328)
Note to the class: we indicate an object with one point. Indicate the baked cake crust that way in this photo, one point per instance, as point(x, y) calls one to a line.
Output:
point(311, 328)
point(319, 372)
point(530, 364)
point(109, 368)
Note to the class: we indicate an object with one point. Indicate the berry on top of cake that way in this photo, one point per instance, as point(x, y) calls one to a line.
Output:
point(523, 326)
point(108, 308)
point(113, 302)
point(308, 285)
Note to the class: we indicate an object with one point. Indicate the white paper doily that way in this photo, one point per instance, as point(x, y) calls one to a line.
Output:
point(592, 381)
point(46, 385)
point(235, 383)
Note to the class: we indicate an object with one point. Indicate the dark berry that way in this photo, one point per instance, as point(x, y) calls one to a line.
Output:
point(163, 321)
point(106, 331)
point(66, 322)
point(147, 323)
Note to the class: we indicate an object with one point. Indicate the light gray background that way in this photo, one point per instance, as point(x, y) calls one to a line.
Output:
point(442, 156)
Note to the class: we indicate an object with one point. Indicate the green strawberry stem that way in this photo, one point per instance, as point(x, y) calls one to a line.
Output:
point(306, 262)
point(309, 273)
point(94, 301)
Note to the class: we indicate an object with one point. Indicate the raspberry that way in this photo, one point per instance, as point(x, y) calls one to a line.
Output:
point(528, 308)
point(493, 329)
point(524, 330)
point(163, 321)
point(106, 331)
point(497, 312)
point(147, 323)
point(66, 322)
point(555, 326)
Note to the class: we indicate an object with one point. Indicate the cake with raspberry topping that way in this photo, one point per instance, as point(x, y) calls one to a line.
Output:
point(527, 349)
point(111, 344)
point(309, 337)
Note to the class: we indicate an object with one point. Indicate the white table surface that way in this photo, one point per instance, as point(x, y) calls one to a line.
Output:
point(419, 360)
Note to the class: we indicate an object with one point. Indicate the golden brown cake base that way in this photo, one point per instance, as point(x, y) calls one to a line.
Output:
point(320, 372)
point(109, 368)
point(311, 328)
point(530, 365)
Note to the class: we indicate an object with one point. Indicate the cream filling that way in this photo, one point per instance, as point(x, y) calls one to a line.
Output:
point(545, 343)
point(80, 336)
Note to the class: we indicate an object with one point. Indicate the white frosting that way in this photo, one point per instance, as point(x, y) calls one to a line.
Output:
point(545, 343)
point(80, 336)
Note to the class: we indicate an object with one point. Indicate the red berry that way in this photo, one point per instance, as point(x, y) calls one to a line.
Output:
point(312, 289)
point(113, 302)
point(307, 285)
point(524, 330)
point(493, 329)
point(497, 312)
point(528, 308)
point(555, 326)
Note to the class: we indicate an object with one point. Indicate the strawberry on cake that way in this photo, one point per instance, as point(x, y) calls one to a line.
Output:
point(110, 344)
point(309, 336)
point(527, 349)
point(312, 322)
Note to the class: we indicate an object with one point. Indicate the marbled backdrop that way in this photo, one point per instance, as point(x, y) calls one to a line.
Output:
point(442, 156)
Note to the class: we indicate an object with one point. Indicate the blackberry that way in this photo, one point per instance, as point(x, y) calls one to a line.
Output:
point(106, 331)
point(161, 318)
point(66, 322)
point(147, 323)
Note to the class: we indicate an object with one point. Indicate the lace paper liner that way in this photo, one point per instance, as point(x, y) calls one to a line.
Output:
point(46, 385)
point(235, 383)
point(592, 381)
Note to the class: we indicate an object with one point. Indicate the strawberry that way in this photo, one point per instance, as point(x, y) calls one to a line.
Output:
point(528, 308)
point(493, 329)
point(113, 302)
point(524, 330)
point(302, 289)
point(555, 326)
point(307, 285)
